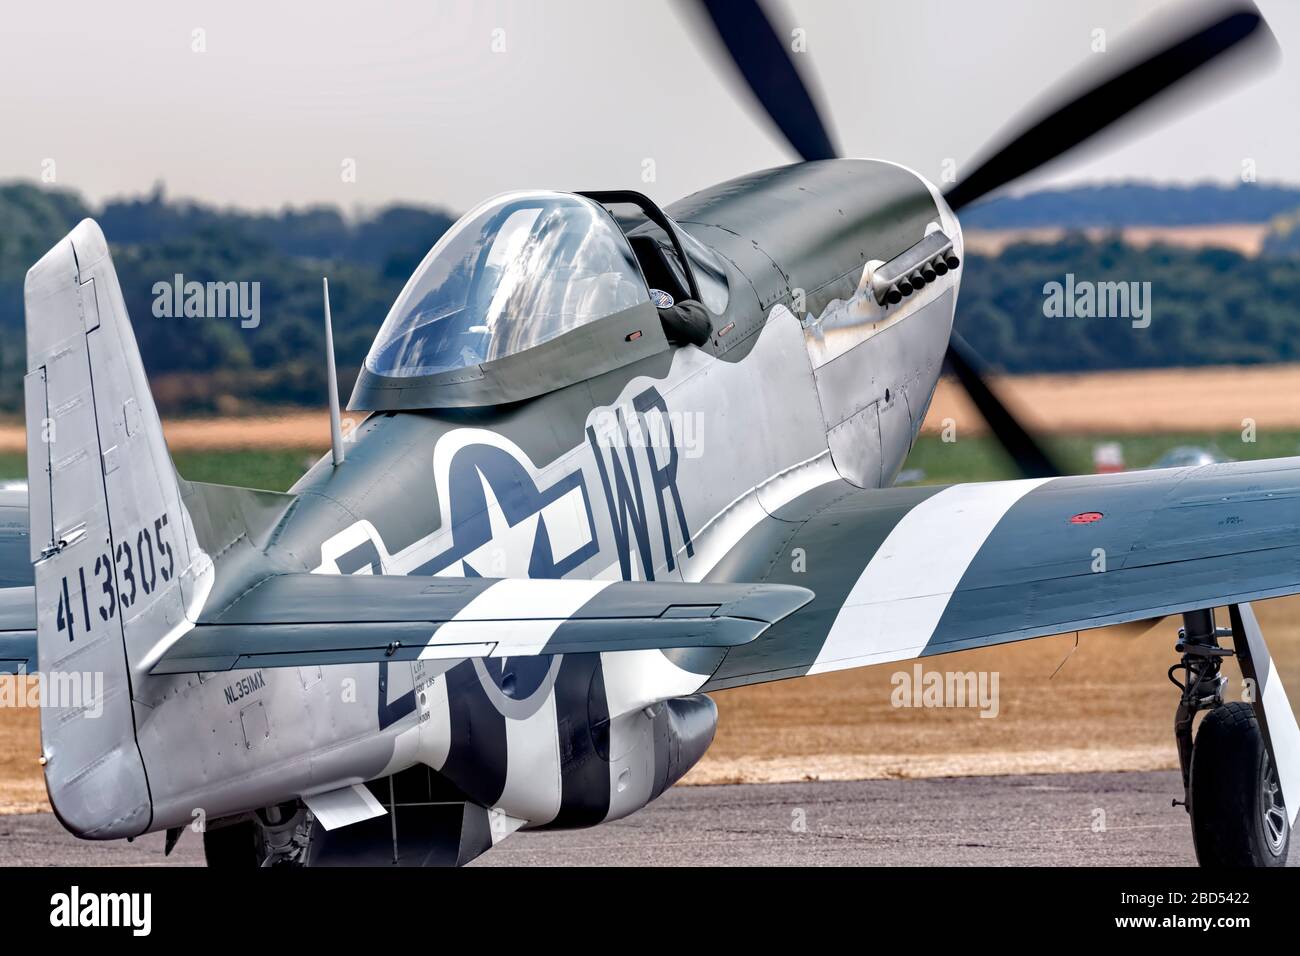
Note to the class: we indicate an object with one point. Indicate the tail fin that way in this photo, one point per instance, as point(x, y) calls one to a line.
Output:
point(119, 575)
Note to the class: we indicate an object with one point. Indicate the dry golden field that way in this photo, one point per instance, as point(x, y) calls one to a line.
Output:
point(1109, 707)
point(296, 429)
point(1140, 402)
point(22, 790)
point(1179, 400)
point(1244, 237)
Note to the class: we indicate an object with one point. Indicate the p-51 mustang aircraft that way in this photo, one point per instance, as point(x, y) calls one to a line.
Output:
point(618, 457)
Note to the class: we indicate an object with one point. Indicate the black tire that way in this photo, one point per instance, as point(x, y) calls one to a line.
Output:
point(238, 846)
point(1235, 801)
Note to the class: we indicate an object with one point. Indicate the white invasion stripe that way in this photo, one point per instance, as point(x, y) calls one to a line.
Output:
point(896, 603)
point(532, 787)
point(452, 652)
point(519, 614)
point(636, 679)
point(435, 733)
point(1283, 732)
point(338, 808)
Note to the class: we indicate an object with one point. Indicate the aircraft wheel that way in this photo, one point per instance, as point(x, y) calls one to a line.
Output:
point(1238, 818)
point(238, 846)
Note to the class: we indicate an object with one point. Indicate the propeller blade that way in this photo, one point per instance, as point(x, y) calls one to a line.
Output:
point(1029, 456)
point(1163, 65)
point(766, 67)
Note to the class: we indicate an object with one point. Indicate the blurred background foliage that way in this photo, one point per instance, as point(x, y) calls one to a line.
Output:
point(212, 364)
point(1209, 305)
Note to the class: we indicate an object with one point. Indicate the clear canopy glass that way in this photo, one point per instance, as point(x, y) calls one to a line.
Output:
point(515, 272)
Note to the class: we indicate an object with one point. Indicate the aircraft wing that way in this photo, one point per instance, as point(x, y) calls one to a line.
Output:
point(291, 620)
point(17, 630)
point(911, 572)
point(17, 652)
point(17, 596)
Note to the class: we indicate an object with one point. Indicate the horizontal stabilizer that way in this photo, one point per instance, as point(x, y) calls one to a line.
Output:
point(293, 620)
point(17, 652)
point(17, 631)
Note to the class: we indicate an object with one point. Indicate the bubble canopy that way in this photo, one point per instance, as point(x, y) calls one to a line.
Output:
point(515, 272)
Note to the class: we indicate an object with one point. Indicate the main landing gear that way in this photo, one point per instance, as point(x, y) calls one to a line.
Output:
point(274, 836)
point(1231, 784)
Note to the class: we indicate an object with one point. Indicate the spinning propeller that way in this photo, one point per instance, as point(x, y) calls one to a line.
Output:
point(1097, 99)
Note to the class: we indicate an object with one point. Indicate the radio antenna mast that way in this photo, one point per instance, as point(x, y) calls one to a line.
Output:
point(336, 421)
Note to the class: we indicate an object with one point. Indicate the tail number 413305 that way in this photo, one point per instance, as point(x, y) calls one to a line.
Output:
point(135, 566)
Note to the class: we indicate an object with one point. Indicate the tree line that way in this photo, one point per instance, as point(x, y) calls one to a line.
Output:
point(207, 365)
point(1203, 306)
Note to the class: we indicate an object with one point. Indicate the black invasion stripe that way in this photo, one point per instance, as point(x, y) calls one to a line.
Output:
point(476, 762)
point(684, 730)
point(582, 717)
point(663, 743)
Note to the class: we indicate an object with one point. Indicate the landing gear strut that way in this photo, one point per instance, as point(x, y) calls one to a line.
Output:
point(274, 836)
point(1230, 784)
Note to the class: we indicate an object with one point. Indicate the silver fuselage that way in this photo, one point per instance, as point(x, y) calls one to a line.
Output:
point(652, 471)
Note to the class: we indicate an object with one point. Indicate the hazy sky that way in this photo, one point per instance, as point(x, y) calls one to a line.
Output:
point(583, 94)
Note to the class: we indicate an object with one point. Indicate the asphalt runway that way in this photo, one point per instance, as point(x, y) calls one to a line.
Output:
point(1093, 819)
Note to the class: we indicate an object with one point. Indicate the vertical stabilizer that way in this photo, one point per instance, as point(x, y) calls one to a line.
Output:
point(118, 575)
